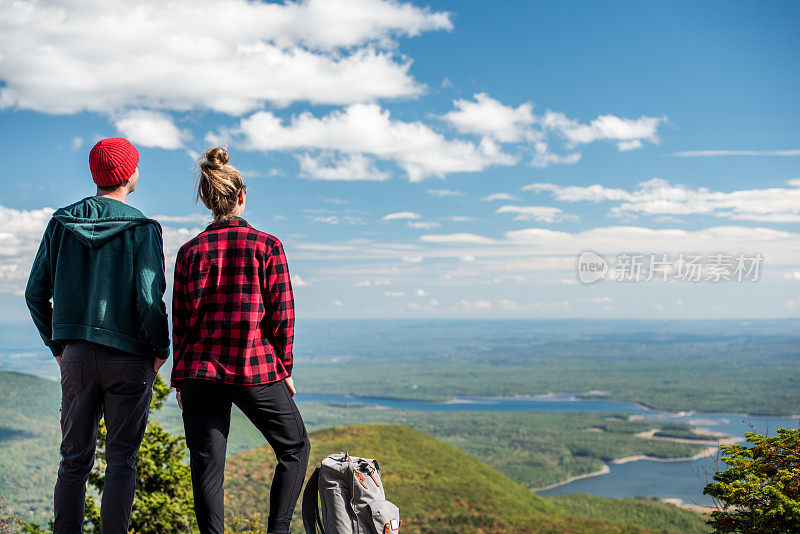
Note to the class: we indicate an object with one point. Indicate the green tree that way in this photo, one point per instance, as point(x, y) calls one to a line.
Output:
point(760, 490)
point(163, 502)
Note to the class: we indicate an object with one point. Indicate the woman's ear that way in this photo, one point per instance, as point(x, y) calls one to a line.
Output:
point(241, 197)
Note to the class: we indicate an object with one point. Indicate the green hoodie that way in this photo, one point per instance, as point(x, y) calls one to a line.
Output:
point(102, 263)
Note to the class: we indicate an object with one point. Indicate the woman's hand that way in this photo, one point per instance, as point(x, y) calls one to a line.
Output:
point(178, 397)
point(290, 384)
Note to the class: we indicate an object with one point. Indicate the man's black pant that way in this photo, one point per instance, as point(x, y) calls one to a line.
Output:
point(98, 381)
point(207, 417)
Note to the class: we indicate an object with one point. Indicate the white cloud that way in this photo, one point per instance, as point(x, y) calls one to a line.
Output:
point(443, 192)
point(499, 196)
point(337, 302)
point(545, 214)
point(401, 215)
point(368, 283)
point(544, 158)
point(458, 239)
point(105, 55)
point(337, 219)
point(459, 218)
point(659, 197)
point(412, 259)
point(349, 167)
point(494, 121)
point(420, 292)
point(629, 133)
point(150, 129)
point(182, 219)
point(488, 117)
point(20, 234)
point(365, 129)
point(395, 293)
point(76, 143)
point(474, 305)
point(423, 224)
point(509, 305)
point(717, 153)
point(298, 281)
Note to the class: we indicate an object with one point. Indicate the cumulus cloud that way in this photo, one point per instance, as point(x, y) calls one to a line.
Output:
point(298, 281)
point(499, 196)
point(495, 121)
point(487, 117)
point(547, 214)
point(183, 54)
point(365, 129)
point(150, 129)
point(401, 215)
point(350, 167)
point(471, 305)
point(628, 133)
point(458, 238)
point(423, 224)
point(444, 192)
point(659, 197)
point(20, 234)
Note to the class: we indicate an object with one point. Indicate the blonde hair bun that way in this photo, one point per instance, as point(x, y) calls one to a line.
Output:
point(215, 157)
point(219, 183)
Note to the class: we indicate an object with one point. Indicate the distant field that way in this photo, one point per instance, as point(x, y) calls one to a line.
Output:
point(740, 375)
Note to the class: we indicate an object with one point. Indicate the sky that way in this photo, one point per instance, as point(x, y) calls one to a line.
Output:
point(442, 159)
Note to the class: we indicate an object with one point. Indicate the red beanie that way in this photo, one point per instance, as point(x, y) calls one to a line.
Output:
point(113, 161)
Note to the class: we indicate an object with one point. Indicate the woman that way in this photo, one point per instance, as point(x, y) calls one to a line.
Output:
point(233, 328)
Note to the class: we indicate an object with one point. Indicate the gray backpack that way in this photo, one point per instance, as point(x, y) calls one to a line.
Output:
point(352, 498)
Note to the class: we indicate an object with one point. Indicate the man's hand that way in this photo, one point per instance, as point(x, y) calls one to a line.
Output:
point(290, 384)
point(178, 397)
point(157, 363)
point(58, 359)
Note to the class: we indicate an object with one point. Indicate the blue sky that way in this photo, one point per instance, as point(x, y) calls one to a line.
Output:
point(445, 159)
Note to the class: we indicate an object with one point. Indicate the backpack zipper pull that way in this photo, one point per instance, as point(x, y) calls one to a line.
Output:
point(360, 478)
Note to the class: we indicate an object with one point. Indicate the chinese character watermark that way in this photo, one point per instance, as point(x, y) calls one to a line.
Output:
point(592, 267)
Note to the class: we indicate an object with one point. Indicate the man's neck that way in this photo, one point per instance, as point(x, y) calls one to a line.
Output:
point(120, 194)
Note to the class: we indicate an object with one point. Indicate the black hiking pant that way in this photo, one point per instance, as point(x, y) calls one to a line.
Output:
point(98, 381)
point(207, 417)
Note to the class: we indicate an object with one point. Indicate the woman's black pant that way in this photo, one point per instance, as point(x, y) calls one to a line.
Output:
point(207, 417)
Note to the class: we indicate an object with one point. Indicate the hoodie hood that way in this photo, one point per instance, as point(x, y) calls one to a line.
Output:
point(95, 220)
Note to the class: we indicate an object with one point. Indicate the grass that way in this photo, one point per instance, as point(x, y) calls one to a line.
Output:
point(438, 488)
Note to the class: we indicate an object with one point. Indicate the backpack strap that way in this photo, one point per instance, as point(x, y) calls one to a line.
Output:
point(311, 516)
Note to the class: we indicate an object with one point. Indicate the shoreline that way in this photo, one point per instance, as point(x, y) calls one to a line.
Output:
point(604, 471)
point(711, 451)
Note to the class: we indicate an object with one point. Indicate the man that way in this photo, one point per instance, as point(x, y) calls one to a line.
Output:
point(102, 264)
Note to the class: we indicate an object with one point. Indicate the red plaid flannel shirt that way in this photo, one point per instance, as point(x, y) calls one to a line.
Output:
point(232, 307)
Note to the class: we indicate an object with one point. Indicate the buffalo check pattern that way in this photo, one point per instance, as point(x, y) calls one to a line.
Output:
point(232, 307)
